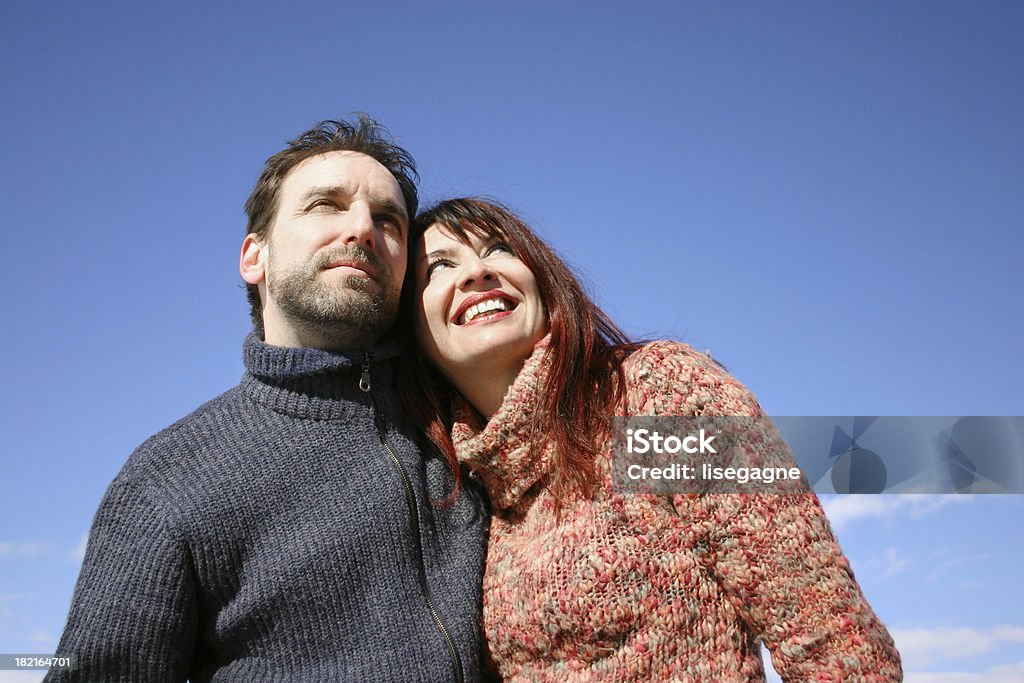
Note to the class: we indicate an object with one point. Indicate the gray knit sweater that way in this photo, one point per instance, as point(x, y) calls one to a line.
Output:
point(268, 537)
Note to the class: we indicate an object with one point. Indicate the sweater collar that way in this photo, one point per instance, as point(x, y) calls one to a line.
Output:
point(283, 363)
point(310, 382)
point(501, 452)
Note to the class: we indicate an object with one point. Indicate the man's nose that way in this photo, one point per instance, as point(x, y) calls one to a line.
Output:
point(358, 228)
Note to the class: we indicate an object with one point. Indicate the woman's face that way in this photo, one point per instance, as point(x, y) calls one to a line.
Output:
point(477, 304)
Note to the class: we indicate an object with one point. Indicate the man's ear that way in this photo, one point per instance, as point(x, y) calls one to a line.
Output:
point(252, 262)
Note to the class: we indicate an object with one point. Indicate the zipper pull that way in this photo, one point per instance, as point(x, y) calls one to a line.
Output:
point(364, 379)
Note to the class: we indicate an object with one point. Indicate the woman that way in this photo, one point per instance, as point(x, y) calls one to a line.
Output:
point(521, 373)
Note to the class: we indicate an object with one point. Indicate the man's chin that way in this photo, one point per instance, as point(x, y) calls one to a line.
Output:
point(354, 285)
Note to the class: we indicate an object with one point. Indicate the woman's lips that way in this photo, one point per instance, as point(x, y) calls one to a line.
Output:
point(478, 302)
point(488, 316)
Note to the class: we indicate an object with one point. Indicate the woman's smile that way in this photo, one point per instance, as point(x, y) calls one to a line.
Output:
point(484, 307)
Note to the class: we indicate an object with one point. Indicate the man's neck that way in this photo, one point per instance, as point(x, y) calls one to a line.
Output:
point(337, 338)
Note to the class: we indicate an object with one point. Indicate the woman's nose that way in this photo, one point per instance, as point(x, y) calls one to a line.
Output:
point(475, 271)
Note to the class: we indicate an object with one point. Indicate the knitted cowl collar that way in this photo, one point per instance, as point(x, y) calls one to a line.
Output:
point(309, 382)
point(500, 453)
point(282, 363)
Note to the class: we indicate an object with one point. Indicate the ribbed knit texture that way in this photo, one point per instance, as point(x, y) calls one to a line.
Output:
point(647, 588)
point(266, 537)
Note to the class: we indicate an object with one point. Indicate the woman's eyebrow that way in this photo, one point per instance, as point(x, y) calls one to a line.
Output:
point(438, 252)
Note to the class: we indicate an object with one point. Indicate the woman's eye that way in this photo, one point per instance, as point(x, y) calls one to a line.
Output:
point(502, 248)
point(434, 265)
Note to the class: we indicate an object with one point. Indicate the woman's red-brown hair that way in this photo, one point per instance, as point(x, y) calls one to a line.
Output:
point(586, 351)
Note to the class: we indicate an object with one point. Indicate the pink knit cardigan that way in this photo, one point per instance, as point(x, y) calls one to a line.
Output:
point(647, 588)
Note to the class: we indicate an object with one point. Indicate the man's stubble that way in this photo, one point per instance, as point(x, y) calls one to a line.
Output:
point(349, 314)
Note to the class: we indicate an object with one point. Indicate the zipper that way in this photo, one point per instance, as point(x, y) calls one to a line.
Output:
point(366, 385)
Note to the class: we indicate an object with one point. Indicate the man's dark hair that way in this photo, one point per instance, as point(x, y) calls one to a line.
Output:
point(365, 136)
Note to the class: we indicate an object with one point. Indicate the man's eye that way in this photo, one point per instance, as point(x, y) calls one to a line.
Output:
point(323, 204)
point(388, 222)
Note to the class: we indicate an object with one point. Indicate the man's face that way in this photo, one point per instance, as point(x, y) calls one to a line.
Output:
point(333, 262)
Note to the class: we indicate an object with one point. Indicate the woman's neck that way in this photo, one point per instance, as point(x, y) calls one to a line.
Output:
point(485, 387)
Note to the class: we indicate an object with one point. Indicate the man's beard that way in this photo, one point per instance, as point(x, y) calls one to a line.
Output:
point(337, 315)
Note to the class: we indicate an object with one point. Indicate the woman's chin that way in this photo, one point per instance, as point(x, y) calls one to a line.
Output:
point(494, 355)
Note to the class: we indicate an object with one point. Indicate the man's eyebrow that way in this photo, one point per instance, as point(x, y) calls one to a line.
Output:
point(323, 191)
point(336, 190)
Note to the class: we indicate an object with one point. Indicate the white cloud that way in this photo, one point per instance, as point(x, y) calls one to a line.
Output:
point(5, 600)
point(922, 505)
point(40, 637)
point(912, 642)
point(945, 563)
point(889, 564)
point(922, 647)
point(1007, 673)
point(881, 567)
point(78, 554)
point(841, 510)
point(17, 632)
point(32, 549)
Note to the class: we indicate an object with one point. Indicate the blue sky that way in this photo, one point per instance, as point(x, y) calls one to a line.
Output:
point(825, 195)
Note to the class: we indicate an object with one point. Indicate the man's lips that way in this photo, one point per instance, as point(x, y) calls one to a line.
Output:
point(479, 297)
point(354, 267)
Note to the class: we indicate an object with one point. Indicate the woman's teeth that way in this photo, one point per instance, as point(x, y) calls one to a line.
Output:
point(483, 307)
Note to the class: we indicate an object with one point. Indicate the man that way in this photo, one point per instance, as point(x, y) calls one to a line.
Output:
point(289, 530)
